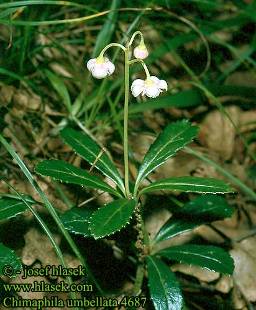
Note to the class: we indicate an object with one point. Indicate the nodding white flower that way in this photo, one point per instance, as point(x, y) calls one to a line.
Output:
point(140, 52)
point(100, 67)
point(151, 87)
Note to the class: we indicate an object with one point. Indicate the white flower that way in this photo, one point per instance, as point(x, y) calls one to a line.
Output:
point(100, 67)
point(140, 52)
point(151, 87)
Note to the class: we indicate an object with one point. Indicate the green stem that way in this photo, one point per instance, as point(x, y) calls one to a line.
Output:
point(133, 37)
point(143, 248)
point(133, 61)
point(139, 279)
point(126, 112)
point(110, 45)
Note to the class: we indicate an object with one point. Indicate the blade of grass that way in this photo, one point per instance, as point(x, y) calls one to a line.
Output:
point(68, 20)
point(49, 207)
point(196, 82)
point(39, 2)
point(223, 171)
point(46, 230)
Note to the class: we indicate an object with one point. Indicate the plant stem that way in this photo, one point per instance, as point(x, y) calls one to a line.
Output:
point(139, 279)
point(126, 111)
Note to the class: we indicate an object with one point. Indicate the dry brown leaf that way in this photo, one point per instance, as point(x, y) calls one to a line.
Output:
point(245, 268)
point(38, 246)
point(238, 301)
point(208, 234)
point(218, 133)
point(156, 220)
point(6, 94)
point(242, 78)
point(247, 121)
point(225, 284)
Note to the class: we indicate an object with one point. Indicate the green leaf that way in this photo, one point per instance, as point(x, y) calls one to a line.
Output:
point(77, 220)
point(90, 151)
point(11, 207)
point(112, 217)
point(10, 263)
point(65, 172)
point(210, 257)
point(192, 97)
point(189, 184)
point(163, 286)
point(170, 140)
point(183, 99)
point(107, 30)
point(204, 209)
point(60, 87)
point(175, 227)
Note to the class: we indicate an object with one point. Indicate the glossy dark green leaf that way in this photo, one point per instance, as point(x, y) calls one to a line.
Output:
point(189, 184)
point(10, 263)
point(170, 140)
point(163, 286)
point(209, 207)
point(204, 209)
point(11, 207)
point(112, 217)
point(65, 172)
point(86, 147)
point(77, 220)
point(175, 227)
point(210, 257)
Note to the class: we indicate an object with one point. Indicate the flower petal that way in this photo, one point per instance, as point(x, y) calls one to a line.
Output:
point(99, 71)
point(154, 79)
point(152, 91)
point(110, 67)
point(137, 82)
point(137, 90)
point(140, 53)
point(91, 64)
point(162, 84)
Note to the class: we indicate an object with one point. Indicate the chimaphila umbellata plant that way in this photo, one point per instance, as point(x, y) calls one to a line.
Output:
point(114, 216)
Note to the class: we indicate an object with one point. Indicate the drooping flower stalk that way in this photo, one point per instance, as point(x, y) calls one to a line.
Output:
point(102, 67)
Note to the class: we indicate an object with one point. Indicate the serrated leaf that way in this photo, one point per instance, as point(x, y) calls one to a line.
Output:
point(11, 207)
point(204, 209)
point(112, 217)
point(10, 263)
point(163, 286)
point(65, 172)
point(86, 147)
point(189, 184)
point(77, 220)
point(175, 227)
point(210, 257)
point(170, 140)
